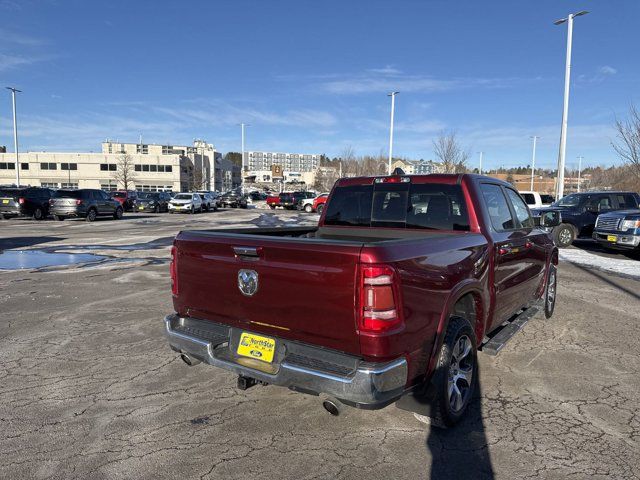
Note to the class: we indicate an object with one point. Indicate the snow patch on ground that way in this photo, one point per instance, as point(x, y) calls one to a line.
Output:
point(621, 266)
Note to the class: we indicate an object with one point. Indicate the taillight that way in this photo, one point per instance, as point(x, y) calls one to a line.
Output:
point(21, 201)
point(78, 202)
point(379, 302)
point(173, 270)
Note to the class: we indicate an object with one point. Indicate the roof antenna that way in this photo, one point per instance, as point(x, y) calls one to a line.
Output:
point(398, 171)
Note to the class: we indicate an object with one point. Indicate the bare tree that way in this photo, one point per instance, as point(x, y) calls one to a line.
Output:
point(628, 145)
point(448, 150)
point(197, 180)
point(125, 172)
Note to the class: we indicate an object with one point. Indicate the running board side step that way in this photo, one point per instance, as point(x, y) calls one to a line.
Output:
point(499, 338)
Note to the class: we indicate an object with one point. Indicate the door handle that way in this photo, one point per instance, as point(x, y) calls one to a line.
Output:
point(248, 252)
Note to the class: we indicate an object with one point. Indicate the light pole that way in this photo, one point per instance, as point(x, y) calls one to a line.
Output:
point(393, 107)
point(242, 125)
point(579, 170)
point(533, 159)
point(480, 170)
point(15, 132)
point(565, 109)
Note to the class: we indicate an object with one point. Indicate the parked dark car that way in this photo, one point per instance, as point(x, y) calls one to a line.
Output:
point(290, 200)
point(84, 203)
point(155, 202)
point(233, 200)
point(619, 230)
point(126, 198)
point(580, 210)
point(25, 202)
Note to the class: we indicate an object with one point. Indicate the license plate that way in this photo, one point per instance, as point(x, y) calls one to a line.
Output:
point(5, 201)
point(256, 346)
point(612, 238)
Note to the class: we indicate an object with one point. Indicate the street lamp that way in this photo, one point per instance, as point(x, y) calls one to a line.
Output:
point(242, 125)
point(579, 170)
point(533, 159)
point(15, 132)
point(480, 170)
point(565, 110)
point(393, 107)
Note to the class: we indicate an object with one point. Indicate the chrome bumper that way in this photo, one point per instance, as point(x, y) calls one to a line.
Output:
point(365, 385)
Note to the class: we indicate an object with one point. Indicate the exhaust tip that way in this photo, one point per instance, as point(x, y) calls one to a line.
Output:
point(331, 407)
point(189, 360)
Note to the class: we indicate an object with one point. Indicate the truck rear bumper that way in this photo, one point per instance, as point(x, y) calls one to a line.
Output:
point(297, 366)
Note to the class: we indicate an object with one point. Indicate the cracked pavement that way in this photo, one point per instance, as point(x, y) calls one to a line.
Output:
point(90, 389)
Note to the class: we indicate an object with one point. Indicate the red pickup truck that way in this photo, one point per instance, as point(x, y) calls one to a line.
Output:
point(390, 296)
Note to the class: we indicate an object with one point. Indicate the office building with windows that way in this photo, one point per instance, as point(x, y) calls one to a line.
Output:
point(293, 162)
point(150, 167)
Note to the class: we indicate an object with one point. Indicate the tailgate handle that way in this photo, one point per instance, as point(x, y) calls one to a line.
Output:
point(253, 252)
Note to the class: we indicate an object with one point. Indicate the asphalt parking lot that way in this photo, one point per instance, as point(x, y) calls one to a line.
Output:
point(89, 388)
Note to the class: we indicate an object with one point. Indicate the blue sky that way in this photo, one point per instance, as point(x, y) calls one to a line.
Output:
point(313, 76)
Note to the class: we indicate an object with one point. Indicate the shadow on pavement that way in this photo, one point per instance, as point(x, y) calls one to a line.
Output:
point(22, 242)
point(462, 452)
point(605, 279)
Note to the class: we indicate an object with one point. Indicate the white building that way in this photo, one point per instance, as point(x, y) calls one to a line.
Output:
point(292, 162)
point(154, 167)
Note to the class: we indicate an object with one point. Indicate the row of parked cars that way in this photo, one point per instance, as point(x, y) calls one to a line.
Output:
point(88, 203)
point(612, 218)
point(306, 201)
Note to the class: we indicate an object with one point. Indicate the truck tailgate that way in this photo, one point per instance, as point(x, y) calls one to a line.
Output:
point(306, 288)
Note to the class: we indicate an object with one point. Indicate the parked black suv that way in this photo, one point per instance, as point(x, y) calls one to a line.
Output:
point(24, 202)
point(155, 202)
point(233, 200)
point(579, 212)
point(85, 203)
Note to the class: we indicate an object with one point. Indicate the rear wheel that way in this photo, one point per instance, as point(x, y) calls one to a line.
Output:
point(456, 372)
point(550, 291)
point(156, 209)
point(117, 214)
point(320, 208)
point(308, 208)
point(92, 215)
point(564, 235)
point(37, 214)
point(192, 211)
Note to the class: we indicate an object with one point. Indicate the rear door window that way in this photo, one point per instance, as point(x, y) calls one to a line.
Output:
point(497, 207)
point(530, 198)
point(626, 200)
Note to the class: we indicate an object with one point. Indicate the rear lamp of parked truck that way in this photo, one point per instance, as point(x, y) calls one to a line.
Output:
point(78, 202)
point(173, 270)
point(21, 201)
point(378, 299)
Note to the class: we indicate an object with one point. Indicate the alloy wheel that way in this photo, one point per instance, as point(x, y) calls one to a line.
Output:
point(460, 374)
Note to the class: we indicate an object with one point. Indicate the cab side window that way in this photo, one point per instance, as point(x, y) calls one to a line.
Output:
point(522, 212)
point(497, 207)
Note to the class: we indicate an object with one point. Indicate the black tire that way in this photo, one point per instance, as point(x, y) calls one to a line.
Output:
point(2, 217)
point(564, 235)
point(459, 369)
point(320, 208)
point(118, 214)
point(91, 215)
point(551, 291)
point(58, 218)
point(38, 214)
point(192, 211)
point(156, 209)
point(272, 207)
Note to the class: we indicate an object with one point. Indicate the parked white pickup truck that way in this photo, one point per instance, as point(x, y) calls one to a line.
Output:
point(537, 200)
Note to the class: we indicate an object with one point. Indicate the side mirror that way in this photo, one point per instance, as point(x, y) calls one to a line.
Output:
point(550, 219)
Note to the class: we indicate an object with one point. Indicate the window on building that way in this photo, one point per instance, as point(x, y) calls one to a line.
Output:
point(168, 168)
point(7, 166)
point(49, 184)
point(108, 167)
point(68, 166)
point(145, 168)
point(137, 168)
point(24, 166)
point(48, 166)
point(153, 168)
point(70, 185)
point(108, 187)
point(143, 149)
